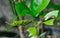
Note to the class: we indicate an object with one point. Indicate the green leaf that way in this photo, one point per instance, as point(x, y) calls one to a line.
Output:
point(32, 31)
point(54, 6)
point(49, 22)
point(24, 0)
point(51, 14)
point(43, 14)
point(37, 6)
point(21, 9)
point(58, 15)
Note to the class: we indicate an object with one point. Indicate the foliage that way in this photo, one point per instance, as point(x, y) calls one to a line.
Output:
point(55, 7)
point(34, 9)
point(32, 31)
point(49, 22)
point(21, 9)
point(51, 14)
point(36, 6)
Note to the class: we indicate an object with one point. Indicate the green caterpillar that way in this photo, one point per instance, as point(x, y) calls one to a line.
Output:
point(20, 23)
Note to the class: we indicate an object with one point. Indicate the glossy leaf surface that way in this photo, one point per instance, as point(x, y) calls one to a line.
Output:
point(37, 6)
point(51, 14)
point(21, 9)
point(49, 22)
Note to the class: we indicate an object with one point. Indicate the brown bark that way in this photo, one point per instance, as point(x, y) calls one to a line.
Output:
point(38, 28)
point(41, 26)
point(19, 0)
point(21, 28)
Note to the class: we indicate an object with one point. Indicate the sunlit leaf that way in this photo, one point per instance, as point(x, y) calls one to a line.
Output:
point(51, 14)
point(32, 31)
point(21, 9)
point(49, 22)
point(37, 6)
point(56, 7)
